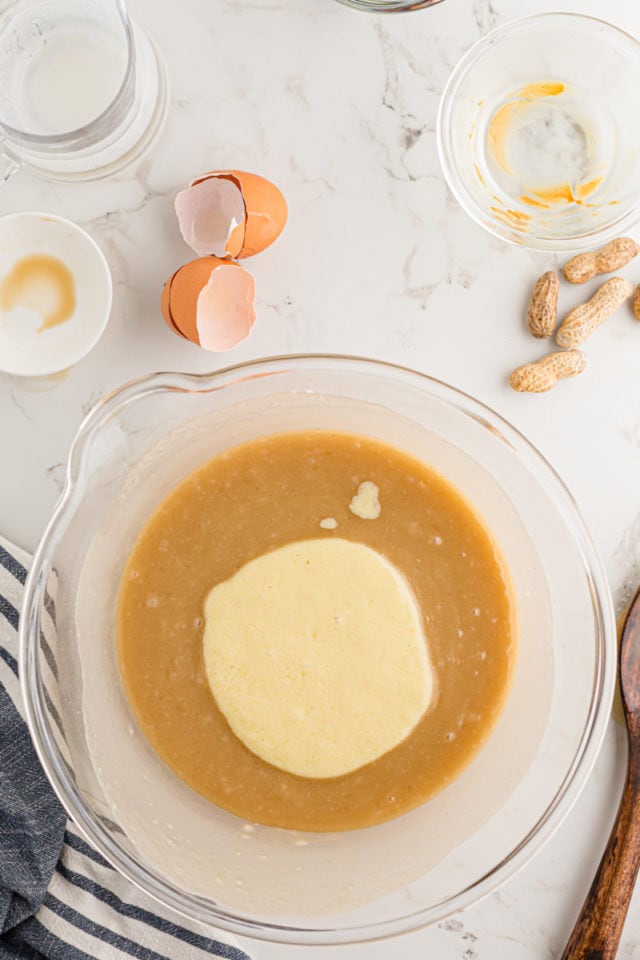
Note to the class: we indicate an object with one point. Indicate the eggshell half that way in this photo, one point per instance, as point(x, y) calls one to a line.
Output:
point(265, 212)
point(210, 302)
point(180, 295)
point(209, 214)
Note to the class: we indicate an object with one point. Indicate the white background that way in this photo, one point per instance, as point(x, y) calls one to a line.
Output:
point(338, 107)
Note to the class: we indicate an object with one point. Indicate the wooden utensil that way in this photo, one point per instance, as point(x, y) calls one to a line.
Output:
point(598, 929)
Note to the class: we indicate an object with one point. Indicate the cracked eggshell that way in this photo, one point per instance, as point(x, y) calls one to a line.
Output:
point(211, 221)
point(210, 302)
point(211, 216)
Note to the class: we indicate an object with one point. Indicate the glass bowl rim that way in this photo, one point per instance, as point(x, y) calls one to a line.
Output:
point(197, 907)
point(449, 165)
point(389, 6)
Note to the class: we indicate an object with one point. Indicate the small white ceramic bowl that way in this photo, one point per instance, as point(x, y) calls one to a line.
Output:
point(26, 349)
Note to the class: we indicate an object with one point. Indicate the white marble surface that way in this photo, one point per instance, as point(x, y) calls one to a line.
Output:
point(338, 107)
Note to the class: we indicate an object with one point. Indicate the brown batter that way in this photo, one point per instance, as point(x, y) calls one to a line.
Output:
point(271, 492)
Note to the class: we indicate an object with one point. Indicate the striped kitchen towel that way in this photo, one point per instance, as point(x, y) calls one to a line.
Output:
point(59, 899)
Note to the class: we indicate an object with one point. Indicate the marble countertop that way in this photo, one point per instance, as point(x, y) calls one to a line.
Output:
point(338, 107)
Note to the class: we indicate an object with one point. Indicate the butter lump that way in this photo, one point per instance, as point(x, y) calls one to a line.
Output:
point(328, 523)
point(316, 656)
point(366, 501)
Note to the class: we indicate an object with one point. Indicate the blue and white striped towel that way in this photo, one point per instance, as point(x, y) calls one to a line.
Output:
point(59, 899)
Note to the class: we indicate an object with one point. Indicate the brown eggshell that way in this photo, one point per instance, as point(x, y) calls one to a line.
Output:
point(215, 314)
point(166, 308)
point(181, 299)
point(266, 212)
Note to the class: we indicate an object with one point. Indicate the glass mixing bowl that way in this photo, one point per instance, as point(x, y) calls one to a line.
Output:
point(534, 135)
point(284, 885)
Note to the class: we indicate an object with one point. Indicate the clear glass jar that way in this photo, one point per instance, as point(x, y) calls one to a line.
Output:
point(82, 89)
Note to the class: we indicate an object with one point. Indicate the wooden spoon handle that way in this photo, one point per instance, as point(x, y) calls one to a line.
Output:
point(598, 929)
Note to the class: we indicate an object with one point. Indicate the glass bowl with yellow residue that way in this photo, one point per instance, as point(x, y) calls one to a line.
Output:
point(333, 885)
point(534, 131)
